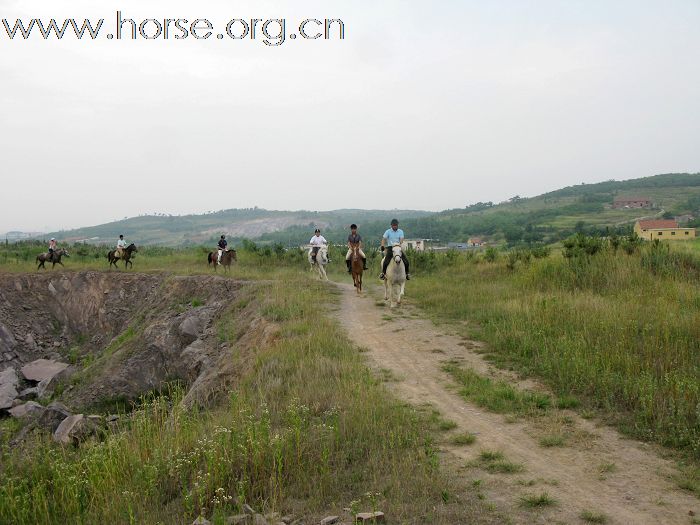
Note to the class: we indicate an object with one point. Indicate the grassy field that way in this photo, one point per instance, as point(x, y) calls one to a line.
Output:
point(620, 331)
point(308, 430)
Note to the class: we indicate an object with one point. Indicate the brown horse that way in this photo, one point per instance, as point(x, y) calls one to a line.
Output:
point(43, 257)
point(112, 256)
point(356, 266)
point(228, 257)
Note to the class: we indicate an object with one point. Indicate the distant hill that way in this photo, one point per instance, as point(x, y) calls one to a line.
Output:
point(545, 218)
point(236, 224)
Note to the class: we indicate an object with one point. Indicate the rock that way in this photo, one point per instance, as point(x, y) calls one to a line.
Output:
point(28, 408)
point(42, 369)
point(75, 429)
point(8, 394)
point(239, 519)
point(112, 417)
point(57, 344)
point(52, 417)
point(287, 519)
point(192, 327)
point(259, 519)
point(7, 341)
point(9, 377)
point(201, 521)
point(370, 517)
point(29, 341)
point(330, 520)
point(52, 289)
point(32, 392)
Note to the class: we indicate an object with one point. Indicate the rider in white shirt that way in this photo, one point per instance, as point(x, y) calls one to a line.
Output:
point(316, 242)
point(121, 244)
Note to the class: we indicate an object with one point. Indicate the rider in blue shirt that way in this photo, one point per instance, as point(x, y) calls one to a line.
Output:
point(392, 236)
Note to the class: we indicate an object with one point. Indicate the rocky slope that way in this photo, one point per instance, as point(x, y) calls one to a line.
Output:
point(124, 335)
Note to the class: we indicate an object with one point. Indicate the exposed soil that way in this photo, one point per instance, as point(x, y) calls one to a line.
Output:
point(126, 334)
point(600, 471)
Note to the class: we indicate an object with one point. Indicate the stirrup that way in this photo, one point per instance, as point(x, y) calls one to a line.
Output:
point(408, 276)
point(382, 276)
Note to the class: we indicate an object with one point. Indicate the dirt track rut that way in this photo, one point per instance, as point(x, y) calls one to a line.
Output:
point(635, 487)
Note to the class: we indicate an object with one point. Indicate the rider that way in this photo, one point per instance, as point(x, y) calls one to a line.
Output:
point(121, 244)
point(316, 242)
point(391, 237)
point(221, 248)
point(354, 238)
point(52, 248)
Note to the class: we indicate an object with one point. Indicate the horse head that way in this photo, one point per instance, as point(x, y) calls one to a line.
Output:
point(63, 252)
point(323, 254)
point(131, 248)
point(355, 248)
point(396, 253)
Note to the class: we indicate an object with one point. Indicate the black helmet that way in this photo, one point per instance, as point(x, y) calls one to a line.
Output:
point(121, 236)
point(223, 236)
point(394, 221)
point(353, 226)
point(317, 230)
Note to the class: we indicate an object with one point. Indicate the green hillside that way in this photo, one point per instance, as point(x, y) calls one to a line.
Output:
point(237, 224)
point(545, 218)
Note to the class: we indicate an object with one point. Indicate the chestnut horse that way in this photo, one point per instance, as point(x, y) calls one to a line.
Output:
point(228, 257)
point(356, 266)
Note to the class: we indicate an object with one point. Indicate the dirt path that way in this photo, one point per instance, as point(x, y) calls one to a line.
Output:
point(601, 472)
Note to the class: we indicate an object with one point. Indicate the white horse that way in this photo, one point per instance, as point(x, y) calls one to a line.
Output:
point(395, 278)
point(319, 265)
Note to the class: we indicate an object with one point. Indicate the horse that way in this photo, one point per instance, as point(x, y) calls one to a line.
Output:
point(319, 265)
point(228, 257)
point(395, 278)
point(356, 266)
point(57, 254)
point(112, 256)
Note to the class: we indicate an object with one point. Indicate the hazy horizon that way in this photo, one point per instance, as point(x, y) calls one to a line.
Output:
point(424, 107)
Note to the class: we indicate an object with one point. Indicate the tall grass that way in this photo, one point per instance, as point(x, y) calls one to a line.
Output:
point(306, 428)
point(619, 330)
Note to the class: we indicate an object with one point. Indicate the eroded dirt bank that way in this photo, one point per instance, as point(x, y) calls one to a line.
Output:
point(125, 334)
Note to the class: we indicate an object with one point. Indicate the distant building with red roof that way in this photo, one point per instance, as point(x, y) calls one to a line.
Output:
point(632, 202)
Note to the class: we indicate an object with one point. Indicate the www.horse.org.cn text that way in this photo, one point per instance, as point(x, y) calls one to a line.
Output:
point(271, 31)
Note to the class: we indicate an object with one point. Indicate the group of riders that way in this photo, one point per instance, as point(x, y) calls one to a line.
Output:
point(119, 252)
point(392, 237)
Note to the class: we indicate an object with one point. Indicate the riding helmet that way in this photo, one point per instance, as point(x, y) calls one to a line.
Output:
point(394, 221)
point(317, 230)
point(353, 226)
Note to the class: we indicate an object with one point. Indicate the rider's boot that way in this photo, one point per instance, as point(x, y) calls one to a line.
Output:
point(381, 276)
point(364, 263)
point(408, 276)
point(349, 263)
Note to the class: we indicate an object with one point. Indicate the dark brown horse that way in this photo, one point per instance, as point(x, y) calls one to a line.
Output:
point(112, 256)
point(57, 254)
point(228, 257)
point(356, 266)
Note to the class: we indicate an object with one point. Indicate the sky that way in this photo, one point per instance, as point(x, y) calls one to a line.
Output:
point(421, 106)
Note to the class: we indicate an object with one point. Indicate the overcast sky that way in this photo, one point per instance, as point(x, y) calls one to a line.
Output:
point(424, 105)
